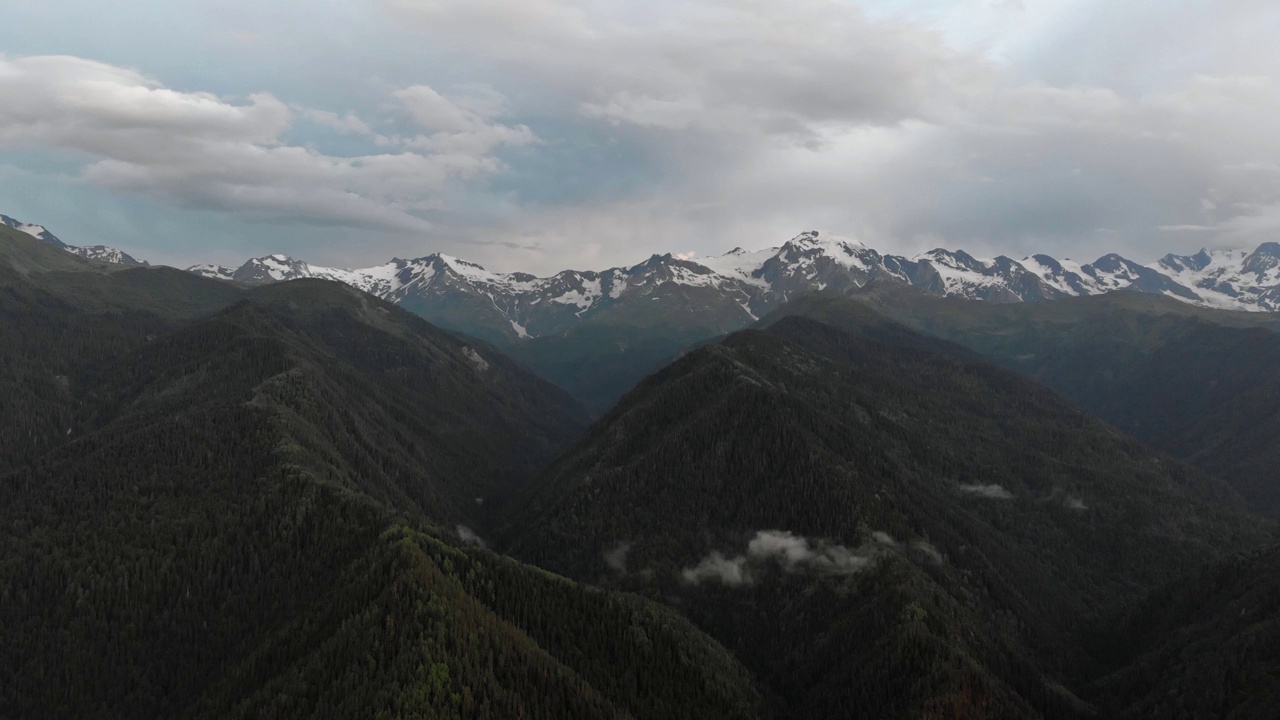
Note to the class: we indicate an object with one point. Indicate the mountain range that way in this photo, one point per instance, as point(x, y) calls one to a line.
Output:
point(745, 285)
point(749, 284)
point(596, 333)
point(297, 499)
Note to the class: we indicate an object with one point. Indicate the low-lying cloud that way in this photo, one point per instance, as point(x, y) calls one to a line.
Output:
point(792, 553)
point(994, 492)
point(616, 557)
point(729, 571)
point(469, 536)
point(928, 550)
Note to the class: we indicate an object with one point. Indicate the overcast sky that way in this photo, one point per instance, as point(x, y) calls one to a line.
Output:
point(545, 134)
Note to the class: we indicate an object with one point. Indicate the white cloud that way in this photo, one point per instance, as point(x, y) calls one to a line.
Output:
point(791, 552)
point(469, 536)
point(729, 571)
point(993, 492)
point(195, 149)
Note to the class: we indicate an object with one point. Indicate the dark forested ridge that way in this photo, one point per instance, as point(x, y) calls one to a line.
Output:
point(1205, 646)
point(230, 511)
point(219, 501)
point(873, 518)
point(64, 322)
point(1202, 385)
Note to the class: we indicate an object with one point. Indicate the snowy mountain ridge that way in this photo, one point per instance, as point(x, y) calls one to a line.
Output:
point(92, 252)
point(738, 287)
point(750, 283)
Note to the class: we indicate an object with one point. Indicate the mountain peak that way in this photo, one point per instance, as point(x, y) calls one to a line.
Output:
point(36, 231)
point(818, 238)
point(276, 267)
point(100, 253)
point(1268, 248)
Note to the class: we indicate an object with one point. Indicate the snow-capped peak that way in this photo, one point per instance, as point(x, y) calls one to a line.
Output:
point(750, 283)
point(739, 263)
point(36, 231)
point(209, 270)
point(1234, 279)
point(101, 253)
point(813, 244)
point(272, 268)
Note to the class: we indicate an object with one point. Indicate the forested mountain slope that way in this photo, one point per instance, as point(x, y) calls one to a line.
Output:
point(64, 323)
point(876, 519)
point(1199, 384)
point(241, 520)
point(1205, 646)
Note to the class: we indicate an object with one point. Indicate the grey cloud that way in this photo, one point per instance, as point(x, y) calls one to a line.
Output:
point(195, 149)
point(776, 116)
point(1073, 127)
point(787, 69)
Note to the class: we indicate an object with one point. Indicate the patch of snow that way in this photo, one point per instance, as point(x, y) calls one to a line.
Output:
point(35, 231)
point(957, 279)
point(619, 286)
point(584, 299)
point(213, 271)
point(739, 264)
point(1051, 276)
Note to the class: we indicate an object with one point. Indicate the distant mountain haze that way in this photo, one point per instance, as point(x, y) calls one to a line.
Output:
point(597, 333)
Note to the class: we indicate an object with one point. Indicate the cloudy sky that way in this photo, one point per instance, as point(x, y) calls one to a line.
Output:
point(544, 134)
